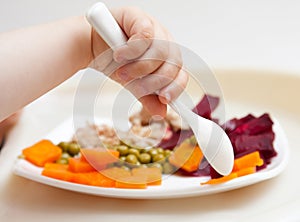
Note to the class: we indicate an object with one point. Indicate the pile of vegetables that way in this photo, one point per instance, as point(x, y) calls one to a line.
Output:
point(122, 166)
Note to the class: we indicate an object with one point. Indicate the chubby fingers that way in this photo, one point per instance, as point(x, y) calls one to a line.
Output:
point(147, 64)
point(142, 54)
point(168, 80)
point(165, 89)
point(150, 65)
point(175, 88)
point(139, 28)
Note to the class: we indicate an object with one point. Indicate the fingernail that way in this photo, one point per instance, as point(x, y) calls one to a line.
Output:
point(157, 118)
point(167, 97)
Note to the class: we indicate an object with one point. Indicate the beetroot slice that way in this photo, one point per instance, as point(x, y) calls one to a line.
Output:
point(175, 139)
point(206, 106)
point(232, 124)
point(249, 125)
point(250, 134)
point(247, 134)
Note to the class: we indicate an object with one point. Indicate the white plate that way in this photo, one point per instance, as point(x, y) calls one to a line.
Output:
point(172, 186)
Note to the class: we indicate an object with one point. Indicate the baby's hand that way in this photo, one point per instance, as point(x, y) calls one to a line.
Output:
point(152, 68)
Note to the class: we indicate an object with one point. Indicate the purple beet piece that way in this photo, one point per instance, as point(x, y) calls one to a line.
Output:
point(206, 106)
point(251, 134)
point(232, 124)
point(263, 143)
point(175, 139)
point(255, 126)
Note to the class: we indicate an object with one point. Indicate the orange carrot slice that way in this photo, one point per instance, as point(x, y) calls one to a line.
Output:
point(93, 179)
point(100, 157)
point(244, 165)
point(132, 182)
point(246, 171)
point(57, 171)
point(124, 178)
point(42, 152)
point(187, 157)
point(221, 179)
point(116, 173)
point(153, 175)
point(61, 172)
point(249, 160)
point(77, 165)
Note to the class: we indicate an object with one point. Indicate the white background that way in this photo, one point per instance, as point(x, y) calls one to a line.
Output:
point(231, 33)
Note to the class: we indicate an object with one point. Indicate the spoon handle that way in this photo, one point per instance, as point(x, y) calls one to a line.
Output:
point(105, 25)
point(181, 109)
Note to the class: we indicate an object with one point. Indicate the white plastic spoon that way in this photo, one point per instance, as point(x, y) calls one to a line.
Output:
point(212, 139)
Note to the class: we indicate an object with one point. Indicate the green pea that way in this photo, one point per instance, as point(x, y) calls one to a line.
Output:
point(158, 157)
point(121, 162)
point(133, 151)
point(131, 158)
point(65, 155)
point(74, 149)
point(160, 150)
point(123, 150)
point(153, 152)
point(136, 165)
point(64, 146)
point(168, 153)
point(122, 158)
point(143, 150)
point(62, 161)
point(145, 158)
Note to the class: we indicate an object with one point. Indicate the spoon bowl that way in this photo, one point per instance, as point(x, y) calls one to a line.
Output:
point(211, 138)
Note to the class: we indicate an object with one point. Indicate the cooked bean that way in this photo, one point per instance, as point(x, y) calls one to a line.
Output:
point(74, 149)
point(158, 157)
point(131, 158)
point(145, 158)
point(123, 150)
point(134, 151)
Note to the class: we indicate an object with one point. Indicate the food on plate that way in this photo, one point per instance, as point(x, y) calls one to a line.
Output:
point(42, 152)
point(57, 171)
point(96, 156)
point(80, 165)
point(243, 165)
point(99, 158)
point(187, 155)
point(80, 171)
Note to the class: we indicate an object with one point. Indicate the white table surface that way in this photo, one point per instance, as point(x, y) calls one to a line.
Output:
point(260, 35)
